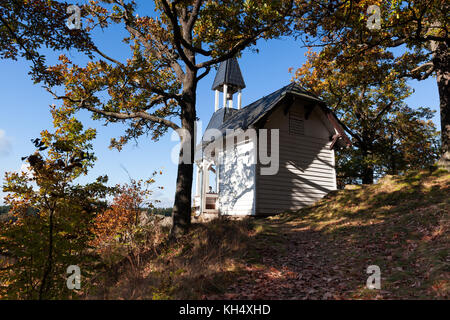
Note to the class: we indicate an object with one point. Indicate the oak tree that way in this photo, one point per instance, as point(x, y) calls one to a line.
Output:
point(155, 89)
point(388, 136)
point(416, 30)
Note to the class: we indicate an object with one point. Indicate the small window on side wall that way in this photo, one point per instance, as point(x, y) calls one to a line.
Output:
point(296, 123)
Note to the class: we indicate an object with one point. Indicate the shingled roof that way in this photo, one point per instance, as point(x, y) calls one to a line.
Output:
point(230, 74)
point(223, 119)
point(220, 116)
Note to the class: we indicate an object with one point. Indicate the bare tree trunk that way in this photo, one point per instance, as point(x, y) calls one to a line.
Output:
point(367, 175)
point(392, 156)
point(441, 61)
point(48, 269)
point(181, 213)
point(367, 151)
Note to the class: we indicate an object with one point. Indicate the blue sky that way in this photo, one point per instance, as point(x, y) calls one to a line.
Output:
point(24, 110)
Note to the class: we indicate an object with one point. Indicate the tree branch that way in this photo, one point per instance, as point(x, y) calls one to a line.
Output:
point(106, 56)
point(171, 60)
point(29, 54)
point(236, 49)
point(117, 115)
point(194, 15)
point(132, 115)
point(171, 13)
point(204, 74)
point(245, 42)
point(420, 76)
point(159, 49)
point(386, 108)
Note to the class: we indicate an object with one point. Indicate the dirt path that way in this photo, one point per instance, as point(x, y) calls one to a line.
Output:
point(314, 257)
point(301, 264)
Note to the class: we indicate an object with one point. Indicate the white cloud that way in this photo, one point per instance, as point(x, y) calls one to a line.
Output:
point(5, 144)
point(164, 201)
point(25, 167)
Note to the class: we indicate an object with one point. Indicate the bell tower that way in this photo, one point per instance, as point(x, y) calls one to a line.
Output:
point(228, 80)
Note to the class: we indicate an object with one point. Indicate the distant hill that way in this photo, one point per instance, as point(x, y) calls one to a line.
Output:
point(4, 213)
point(161, 211)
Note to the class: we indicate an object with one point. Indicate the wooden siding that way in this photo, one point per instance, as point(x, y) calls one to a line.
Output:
point(237, 180)
point(306, 164)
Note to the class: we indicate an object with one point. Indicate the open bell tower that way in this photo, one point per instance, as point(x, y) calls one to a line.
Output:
point(229, 81)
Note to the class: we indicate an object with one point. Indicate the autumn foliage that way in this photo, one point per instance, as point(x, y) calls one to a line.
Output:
point(55, 222)
point(126, 213)
point(387, 135)
point(50, 218)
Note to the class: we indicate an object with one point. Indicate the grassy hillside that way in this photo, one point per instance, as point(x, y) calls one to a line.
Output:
point(400, 224)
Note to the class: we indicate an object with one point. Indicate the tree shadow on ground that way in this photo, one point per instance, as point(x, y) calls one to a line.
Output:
point(322, 252)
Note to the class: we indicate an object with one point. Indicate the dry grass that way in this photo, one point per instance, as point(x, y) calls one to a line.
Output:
point(202, 262)
point(401, 224)
point(320, 252)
